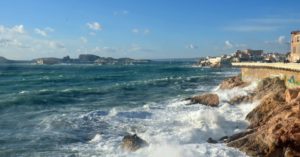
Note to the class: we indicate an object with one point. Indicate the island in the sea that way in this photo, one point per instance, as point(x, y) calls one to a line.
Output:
point(82, 59)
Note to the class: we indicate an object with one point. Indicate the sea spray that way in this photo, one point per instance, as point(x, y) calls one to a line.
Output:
point(174, 129)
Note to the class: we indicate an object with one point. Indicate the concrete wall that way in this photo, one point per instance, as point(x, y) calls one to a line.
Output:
point(292, 78)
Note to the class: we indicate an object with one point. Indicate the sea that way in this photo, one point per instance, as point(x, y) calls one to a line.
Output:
point(85, 110)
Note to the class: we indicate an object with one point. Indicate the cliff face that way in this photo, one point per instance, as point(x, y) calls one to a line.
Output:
point(274, 129)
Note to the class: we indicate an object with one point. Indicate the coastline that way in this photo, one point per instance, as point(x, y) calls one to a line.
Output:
point(274, 123)
point(274, 128)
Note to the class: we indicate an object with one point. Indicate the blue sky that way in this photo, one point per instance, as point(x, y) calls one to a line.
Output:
point(144, 29)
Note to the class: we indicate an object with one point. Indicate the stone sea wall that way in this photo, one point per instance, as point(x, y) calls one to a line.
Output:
point(291, 78)
point(289, 72)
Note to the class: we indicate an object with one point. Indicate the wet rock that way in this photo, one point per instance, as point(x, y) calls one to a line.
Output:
point(240, 99)
point(210, 140)
point(232, 82)
point(223, 139)
point(206, 99)
point(240, 135)
point(132, 143)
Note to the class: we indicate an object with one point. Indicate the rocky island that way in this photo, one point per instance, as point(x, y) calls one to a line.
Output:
point(82, 59)
point(90, 59)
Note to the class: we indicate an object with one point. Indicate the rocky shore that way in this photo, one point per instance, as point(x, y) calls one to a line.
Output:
point(274, 129)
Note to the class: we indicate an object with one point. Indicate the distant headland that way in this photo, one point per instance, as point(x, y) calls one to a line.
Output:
point(82, 59)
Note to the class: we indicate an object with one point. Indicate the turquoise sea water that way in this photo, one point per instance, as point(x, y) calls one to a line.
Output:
point(85, 110)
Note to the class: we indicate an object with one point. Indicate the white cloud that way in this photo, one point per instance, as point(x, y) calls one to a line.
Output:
point(135, 30)
point(104, 50)
point(17, 43)
point(231, 45)
point(192, 46)
point(140, 31)
point(41, 32)
point(49, 29)
point(94, 26)
point(17, 29)
point(281, 40)
point(2, 29)
point(83, 40)
point(56, 45)
point(228, 44)
point(5, 42)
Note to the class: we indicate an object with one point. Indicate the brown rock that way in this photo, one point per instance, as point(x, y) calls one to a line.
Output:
point(265, 110)
point(232, 82)
point(132, 143)
point(276, 123)
point(240, 135)
point(291, 94)
point(270, 86)
point(270, 92)
point(240, 99)
point(206, 99)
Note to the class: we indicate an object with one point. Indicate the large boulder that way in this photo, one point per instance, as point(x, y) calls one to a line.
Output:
point(232, 82)
point(208, 99)
point(132, 143)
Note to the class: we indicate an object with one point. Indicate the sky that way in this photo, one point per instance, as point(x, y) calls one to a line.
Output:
point(149, 29)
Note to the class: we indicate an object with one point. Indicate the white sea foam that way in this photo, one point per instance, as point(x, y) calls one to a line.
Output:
point(96, 139)
point(23, 92)
point(171, 128)
point(200, 88)
point(228, 94)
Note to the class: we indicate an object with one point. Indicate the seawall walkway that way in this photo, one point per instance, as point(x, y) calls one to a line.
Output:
point(282, 66)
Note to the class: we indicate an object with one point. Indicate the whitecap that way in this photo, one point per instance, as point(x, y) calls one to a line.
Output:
point(97, 138)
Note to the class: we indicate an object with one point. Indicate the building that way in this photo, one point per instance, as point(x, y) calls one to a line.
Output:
point(249, 55)
point(295, 47)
